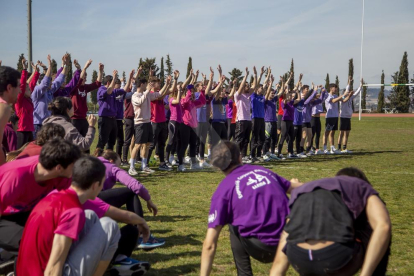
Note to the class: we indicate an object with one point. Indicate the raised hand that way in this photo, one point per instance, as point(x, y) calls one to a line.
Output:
point(254, 70)
point(115, 74)
point(262, 70)
point(223, 79)
point(76, 63)
point(88, 63)
point(191, 71)
point(24, 63)
point(197, 72)
point(211, 70)
point(150, 86)
point(101, 67)
point(247, 71)
point(168, 81)
point(235, 81)
point(131, 75)
point(300, 76)
point(91, 120)
point(203, 76)
point(176, 74)
point(49, 59)
point(219, 69)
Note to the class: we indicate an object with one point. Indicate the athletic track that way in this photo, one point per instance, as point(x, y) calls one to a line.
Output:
point(382, 115)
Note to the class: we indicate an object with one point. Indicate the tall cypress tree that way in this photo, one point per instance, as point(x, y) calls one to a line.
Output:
point(19, 63)
point(69, 70)
point(292, 80)
point(54, 67)
point(351, 73)
point(337, 82)
point(392, 97)
point(94, 96)
point(236, 74)
point(189, 66)
point(364, 97)
point(403, 92)
point(124, 76)
point(161, 75)
point(327, 82)
point(169, 65)
point(381, 99)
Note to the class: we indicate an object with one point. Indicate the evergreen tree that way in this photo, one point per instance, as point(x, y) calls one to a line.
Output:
point(69, 70)
point(364, 97)
point(169, 65)
point(351, 73)
point(381, 100)
point(94, 93)
point(161, 75)
point(236, 74)
point(189, 66)
point(292, 80)
point(54, 67)
point(327, 82)
point(147, 65)
point(403, 92)
point(124, 76)
point(19, 63)
point(392, 97)
point(337, 82)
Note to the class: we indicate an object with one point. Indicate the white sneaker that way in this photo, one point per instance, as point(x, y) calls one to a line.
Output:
point(147, 169)
point(335, 151)
point(246, 160)
point(181, 168)
point(346, 151)
point(205, 165)
point(281, 157)
point(266, 158)
point(171, 159)
point(310, 153)
point(174, 163)
point(187, 160)
point(292, 155)
point(326, 152)
point(302, 155)
point(132, 172)
point(195, 166)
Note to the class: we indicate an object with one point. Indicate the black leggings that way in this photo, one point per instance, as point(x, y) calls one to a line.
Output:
point(202, 130)
point(244, 248)
point(24, 137)
point(258, 137)
point(316, 130)
point(129, 132)
point(297, 136)
point(218, 132)
point(160, 133)
point(188, 137)
point(128, 241)
point(231, 130)
point(287, 132)
point(243, 130)
point(173, 138)
point(271, 137)
point(121, 196)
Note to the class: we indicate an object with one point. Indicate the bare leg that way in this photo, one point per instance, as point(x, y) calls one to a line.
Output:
point(304, 133)
point(332, 138)
point(308, 137)
point(341, 135)
point(325, 137)
point(346, 137)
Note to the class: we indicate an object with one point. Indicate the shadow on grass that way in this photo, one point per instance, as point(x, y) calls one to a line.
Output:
point(160, 257)
point(168, 218)
point(175, 270)
point(177, 240)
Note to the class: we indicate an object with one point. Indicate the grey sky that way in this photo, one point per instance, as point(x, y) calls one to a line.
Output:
point(321, 36)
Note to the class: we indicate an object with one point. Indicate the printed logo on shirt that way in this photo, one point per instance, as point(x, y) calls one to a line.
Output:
point(212, 217)
point(255, 179)
point(82, 93)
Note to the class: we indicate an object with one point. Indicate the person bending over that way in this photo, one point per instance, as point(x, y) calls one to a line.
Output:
point(336, 226)
point(252, 201)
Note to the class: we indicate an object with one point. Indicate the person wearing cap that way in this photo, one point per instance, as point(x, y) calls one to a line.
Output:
point(252, 200)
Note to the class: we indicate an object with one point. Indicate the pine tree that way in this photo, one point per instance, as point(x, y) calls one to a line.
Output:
point(337, 82)
point(381, 100)
point(124, 76)
point(94, 96)
point(364, 97)
point(147, 65)
point(161, 75)
point(351, 73)
point(403, 92)
point(169, 65)
point(69, 70)
point(327, 82)
point(392, 97)
point(189, 66)
point(236, 74)
point(19, 63)
point(54, 67)
point(292, 80)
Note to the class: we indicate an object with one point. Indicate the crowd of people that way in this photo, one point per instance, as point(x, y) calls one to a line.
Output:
point(59, 212)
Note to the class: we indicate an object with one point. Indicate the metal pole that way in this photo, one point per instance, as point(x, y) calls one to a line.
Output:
point(362, 48)
point(29, 33)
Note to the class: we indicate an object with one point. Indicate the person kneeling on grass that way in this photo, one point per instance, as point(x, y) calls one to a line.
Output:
point(336, 226)
point(253, 201)
point(127, 195)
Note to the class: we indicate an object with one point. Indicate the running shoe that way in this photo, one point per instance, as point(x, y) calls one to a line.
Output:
point(302, 155)
point(195, 166)
point(132, 172)
point(346, 151)
point(266, 158)
point(174, 162)
point(147, 170)
point(281, 157)
point(326, 152)
point(151, 243)
point(129, 266)
point(335, 151)
point(246, 160)
point(124, 164)
point(168, 165)
point(164, 167)
point(292, 155)
point(187, 160)
point(181, 168)
point(205, 165)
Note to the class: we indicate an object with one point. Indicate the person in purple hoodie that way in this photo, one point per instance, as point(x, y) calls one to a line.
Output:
point(252, 200)
point(308, 95)
point(317, 109)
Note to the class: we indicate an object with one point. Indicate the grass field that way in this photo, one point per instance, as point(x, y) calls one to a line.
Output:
point(383, 148)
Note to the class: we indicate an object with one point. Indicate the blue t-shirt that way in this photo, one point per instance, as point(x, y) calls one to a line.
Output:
point(271, 110)
point(202, 111)
point(219, 110)
point(298, 116)
point(257, 104)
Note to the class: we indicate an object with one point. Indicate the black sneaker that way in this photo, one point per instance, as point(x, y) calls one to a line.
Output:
point(164, 167)
point(168, 165)
point(254, 160)
point(6, 267)
point(124, 164)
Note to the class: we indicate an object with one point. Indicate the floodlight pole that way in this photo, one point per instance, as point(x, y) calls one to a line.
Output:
point(362, 48)
point(29, 34)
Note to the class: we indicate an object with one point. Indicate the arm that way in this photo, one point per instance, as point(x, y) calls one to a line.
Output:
point(260, 79)
point(379, 220)
point(358, 90)
point(254, 84)
point(269, 88)
point(280, 263)
point(112, 85)
point(77, 139)
point(335, 100)
point(298, 99)
point(195, 77)
point(243, 83)
point(178, 99)
point(200, 101)
point(131, 183)
point(210, 82)
point(5, 112)
point(60, 249)
point(209, 250)
point(187, 81)
point(233, 89)
point(174, 84)
point(222, 79)
point(23, 77)
point(309, 99)
point(163, 92)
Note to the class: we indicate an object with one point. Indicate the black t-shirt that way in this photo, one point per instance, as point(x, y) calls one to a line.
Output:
point(320, 215)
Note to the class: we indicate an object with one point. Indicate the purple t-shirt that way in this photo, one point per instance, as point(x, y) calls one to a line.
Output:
point(229, 109)
point(219, 110)
point(298, 116)
point(288, 111)
point(254, 199)
point(257, 104)
point(331, 108)
point(270, 110)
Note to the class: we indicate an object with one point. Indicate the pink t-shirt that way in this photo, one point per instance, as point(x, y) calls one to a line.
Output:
point(157, 111)
point(19, 190)
point(176, 111)
point(243, 106)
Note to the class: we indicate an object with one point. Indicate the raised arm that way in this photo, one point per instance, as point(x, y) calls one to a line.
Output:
point(174, 84)
point(23, 77)
point(220, 84)
point(269, 88)
point(210, 82)
point(254, 84)
point(243, 83)
point(164, 91)
point(260, 79)
point(187, 81)
point(358, 90)
point(195, 77)
point(112, 85)
point(233, 89)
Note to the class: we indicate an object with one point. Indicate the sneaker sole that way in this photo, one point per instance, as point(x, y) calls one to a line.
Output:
point(150, 246)
point(136, 270)
point(6, 267)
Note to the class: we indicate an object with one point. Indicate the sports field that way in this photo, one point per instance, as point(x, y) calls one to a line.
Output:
point(382, 147)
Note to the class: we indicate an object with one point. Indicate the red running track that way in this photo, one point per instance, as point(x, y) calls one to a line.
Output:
point(382, 115)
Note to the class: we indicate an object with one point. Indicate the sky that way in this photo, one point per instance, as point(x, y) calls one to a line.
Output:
point(321, 36)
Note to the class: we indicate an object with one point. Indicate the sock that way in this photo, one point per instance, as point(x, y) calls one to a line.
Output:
point(131, 163)
point(332, 147)
point(324, 147)
point(344, 147)
point(143, 163)
point(171, 159)
point(308, 149)
point(339, 146)
point(120, 257)
point(209, 152)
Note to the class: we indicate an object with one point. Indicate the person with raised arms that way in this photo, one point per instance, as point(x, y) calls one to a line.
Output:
point(252, 200)
point(331, 125)
point(308, 96)
point(317, 109)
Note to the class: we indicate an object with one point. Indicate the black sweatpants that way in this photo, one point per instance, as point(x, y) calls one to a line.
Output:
point(188, 136)
point(173, 138)
point(24, 137)
point(129, 132)
point(231, 130)
point(258, 137)
point(11, 231)
point(81, 125)
point(271, 137)
point(202, 130)
point(316, 130)
point(297, 136)
point(243, 130)
point(107, 132)
point(119, 197)
point(218, 132)
point(287, 132)
point(119, 136)
point(160, 134)
point(244, 248)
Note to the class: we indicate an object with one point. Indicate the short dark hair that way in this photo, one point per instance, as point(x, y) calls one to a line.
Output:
point(141, 82)
point(86, 171)
point(354, 172)
point(58, 152)
point(13, 119)
point(154, 79)
point(118, 81)
point(305, 86)
point(107, 154)
point(59, 106)
point(332, 85)
point(107, 79)
point(225, 155)
point(48, 132)
point(8, 76)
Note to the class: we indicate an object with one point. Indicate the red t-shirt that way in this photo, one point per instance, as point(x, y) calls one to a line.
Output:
point(24, 107)
point(59, 213)
point(78, 96)
point(19, 190)
point(280, 112)
point(129, 109)
point(30, 150)
point(157, 111)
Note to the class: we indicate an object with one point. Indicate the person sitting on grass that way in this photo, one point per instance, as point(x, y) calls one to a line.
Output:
point(252, 201)
point(60, 238)
point(336, 226)
point(127, 195)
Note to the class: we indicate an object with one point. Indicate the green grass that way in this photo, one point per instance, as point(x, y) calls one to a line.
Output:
point(383, 149)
